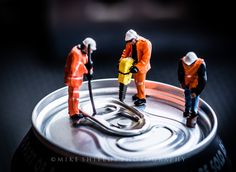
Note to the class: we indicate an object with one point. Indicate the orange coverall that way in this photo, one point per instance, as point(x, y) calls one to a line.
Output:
point(144, 50)
point(73, 78)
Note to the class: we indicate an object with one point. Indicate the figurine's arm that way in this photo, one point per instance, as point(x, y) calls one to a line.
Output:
point(67, 67)
point(88, 67)
point(181, 73)
point(74, 62)
point(145, 59)
point(202, 79)
point(126, 51)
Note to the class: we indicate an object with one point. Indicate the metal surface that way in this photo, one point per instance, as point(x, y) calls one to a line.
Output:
point(121, 136)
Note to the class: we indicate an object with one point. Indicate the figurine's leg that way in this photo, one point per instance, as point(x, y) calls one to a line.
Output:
point(195, 103)
point(73, 101)
point(187, 94)
point(140, 85)
point(139, 79)
point(135, 96)
point(192, 119)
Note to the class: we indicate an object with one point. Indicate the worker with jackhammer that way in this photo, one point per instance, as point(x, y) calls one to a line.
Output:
point(139, 49)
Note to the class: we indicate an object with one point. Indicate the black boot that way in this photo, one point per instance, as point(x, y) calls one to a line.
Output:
point(140, 102)
point(134, 97)
point(186, 114)
point(192, 120)
point(76, 117)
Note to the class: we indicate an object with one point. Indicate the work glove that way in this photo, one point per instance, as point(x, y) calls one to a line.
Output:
point(133, 69)
point(88, 66)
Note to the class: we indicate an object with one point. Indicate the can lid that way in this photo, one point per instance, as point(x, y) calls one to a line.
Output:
point(159, 134)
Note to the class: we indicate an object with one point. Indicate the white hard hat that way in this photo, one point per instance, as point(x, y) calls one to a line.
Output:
point(90, 41)
point(131, 34)
point(190, 58)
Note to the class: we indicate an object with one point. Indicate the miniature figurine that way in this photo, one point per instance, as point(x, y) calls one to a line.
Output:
point(140, 50)
point(76, 66)
point(192, 77)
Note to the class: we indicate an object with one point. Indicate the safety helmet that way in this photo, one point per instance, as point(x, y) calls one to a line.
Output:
point(131, 34)
point(190, 58)
point(90, 41)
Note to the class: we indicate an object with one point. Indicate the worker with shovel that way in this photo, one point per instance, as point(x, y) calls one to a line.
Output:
point(78, 64)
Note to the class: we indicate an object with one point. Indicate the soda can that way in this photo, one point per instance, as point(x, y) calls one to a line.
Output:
point(121, 136)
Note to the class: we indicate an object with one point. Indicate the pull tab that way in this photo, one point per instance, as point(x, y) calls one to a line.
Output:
point(116, 117)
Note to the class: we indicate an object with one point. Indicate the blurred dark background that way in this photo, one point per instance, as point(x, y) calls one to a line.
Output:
point(36, 37)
